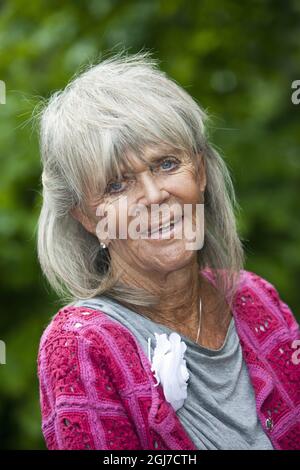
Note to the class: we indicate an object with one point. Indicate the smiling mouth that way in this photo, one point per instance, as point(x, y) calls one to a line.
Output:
point(164, 228)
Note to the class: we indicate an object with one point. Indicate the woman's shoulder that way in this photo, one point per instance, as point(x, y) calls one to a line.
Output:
point(68, 322)
point(264, 300)
point(89, 324)
point(92, 334)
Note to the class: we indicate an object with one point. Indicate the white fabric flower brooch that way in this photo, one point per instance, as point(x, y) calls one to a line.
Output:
point(170, 368)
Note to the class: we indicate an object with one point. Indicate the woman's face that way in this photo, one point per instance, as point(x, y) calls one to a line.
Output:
point(169, 181)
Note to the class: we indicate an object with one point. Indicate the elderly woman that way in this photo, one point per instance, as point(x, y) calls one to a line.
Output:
point(163, 343)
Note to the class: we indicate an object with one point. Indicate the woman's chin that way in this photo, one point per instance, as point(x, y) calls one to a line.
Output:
point(166, 259)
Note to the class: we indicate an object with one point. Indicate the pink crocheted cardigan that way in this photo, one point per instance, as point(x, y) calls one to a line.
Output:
point(97, 389)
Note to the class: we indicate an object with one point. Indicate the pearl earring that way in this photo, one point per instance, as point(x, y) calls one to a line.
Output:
point(102, 245)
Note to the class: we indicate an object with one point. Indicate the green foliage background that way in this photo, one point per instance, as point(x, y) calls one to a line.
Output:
point(238, 59)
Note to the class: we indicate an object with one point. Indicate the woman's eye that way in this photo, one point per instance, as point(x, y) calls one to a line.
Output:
point(169, 164)
point(115, 187)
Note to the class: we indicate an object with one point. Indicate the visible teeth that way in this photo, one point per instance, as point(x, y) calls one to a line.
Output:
point(166, 226)
point(163, 228)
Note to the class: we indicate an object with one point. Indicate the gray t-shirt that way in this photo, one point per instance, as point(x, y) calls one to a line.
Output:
point(219, 411)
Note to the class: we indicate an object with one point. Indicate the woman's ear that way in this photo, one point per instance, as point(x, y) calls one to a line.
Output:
point(84, 219)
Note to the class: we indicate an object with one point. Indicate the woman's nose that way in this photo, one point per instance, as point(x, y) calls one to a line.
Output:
point(152, 193)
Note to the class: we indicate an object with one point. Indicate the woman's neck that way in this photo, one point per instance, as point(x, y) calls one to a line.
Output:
point(179, 294)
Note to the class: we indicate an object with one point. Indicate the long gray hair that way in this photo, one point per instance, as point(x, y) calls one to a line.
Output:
point(123, 102)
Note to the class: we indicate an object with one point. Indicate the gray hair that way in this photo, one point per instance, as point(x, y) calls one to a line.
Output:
point(122, 103)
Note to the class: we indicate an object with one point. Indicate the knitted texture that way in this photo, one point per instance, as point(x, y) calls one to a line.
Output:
point(97, 389)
